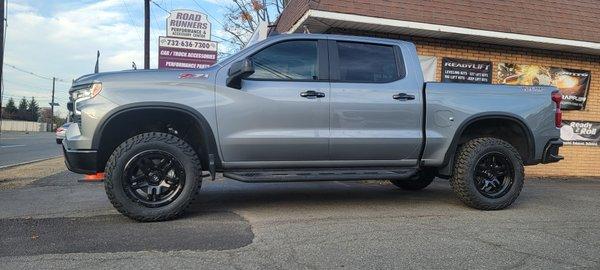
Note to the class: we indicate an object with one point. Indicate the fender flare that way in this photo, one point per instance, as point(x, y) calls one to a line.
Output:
point(447, 165)
point(209, 146)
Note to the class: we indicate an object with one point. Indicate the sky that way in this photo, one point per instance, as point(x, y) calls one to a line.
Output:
point(59, 38)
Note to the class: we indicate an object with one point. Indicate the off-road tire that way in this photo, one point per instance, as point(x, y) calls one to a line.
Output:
point(418, 182)
point(115, 166)
point(463, 181)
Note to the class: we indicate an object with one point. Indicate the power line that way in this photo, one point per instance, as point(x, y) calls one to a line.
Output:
point(205, 10)
point(24, 84)
point(35, 74)
point(156, 4)
point(208, 13)
point(131, 19)
point(155, 23)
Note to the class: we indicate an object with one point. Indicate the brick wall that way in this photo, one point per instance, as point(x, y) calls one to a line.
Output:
point(576, 19)
point(579, 160)
point(292, 12)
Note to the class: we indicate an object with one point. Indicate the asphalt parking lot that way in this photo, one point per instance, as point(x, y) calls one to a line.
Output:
point(59, 222)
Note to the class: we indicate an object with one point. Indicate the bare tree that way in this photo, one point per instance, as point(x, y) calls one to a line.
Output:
point(243, 17)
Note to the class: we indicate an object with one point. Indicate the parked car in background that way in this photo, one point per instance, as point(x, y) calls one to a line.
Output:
point(61, 131)
point(306, 108)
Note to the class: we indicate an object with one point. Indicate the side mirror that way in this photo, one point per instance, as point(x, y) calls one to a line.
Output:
point(238, 71)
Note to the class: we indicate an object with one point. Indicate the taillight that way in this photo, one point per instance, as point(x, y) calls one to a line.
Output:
point(557, 98)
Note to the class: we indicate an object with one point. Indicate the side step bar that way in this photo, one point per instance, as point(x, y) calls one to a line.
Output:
point(264, 176)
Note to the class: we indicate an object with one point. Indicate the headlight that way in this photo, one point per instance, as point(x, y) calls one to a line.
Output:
point(86, 91)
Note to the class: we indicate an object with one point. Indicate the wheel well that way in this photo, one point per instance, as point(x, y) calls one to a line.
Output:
point(505, 129)
point(124, 125)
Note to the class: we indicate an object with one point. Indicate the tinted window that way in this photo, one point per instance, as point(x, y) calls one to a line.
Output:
point(291, 60)
point(360, 62)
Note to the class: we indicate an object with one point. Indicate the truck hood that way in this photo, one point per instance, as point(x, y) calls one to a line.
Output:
point(148, 75)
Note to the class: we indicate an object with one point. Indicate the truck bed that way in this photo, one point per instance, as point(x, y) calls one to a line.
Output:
point(452, 105)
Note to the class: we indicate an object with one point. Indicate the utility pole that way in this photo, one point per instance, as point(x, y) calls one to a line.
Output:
point(146, 34)
point(52, 104)
point(1, 59)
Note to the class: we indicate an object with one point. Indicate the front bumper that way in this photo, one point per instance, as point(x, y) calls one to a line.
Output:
point(551, 152)
point(81, 161)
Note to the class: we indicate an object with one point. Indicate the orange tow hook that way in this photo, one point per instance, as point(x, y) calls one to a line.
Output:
point(97, 177)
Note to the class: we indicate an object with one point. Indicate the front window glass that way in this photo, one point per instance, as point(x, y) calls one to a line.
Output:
point(290, 60)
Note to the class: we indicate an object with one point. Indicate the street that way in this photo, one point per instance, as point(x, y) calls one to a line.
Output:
point(19, 147)
point(58, 222)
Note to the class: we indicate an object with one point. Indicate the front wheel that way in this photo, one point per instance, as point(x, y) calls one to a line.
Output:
point(488, 174)
point(152, 177)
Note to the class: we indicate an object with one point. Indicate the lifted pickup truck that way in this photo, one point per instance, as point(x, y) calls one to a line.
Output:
point(306, 108)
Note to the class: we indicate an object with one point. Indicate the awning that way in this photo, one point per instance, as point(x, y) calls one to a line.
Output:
point(318, 21)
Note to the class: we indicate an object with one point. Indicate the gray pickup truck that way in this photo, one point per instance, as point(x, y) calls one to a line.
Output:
point(306, 108)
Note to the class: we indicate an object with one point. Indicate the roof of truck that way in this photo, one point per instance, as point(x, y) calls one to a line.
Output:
point(337, 37)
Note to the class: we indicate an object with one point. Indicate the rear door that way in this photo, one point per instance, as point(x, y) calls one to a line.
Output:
point(375, 110)
point(281, 112)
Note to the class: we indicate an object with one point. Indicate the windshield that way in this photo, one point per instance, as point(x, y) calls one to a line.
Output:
point(242, 51)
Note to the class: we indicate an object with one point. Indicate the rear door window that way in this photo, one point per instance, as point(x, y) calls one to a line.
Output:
point(366, 63)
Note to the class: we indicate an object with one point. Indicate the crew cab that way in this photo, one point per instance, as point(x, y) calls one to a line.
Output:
point(306, 107)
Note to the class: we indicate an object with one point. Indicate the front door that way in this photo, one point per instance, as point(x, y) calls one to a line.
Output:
point(281, 113)
point(375, 109)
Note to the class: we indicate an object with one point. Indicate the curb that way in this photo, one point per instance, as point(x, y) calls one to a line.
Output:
point(27, 162)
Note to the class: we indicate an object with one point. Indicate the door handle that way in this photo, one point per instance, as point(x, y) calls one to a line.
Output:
point(403, 96)
point(312, 94)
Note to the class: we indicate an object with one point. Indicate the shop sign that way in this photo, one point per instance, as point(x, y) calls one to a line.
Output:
point(187, 44)
point(179, 53)
point(185, 23)
point(466, 71)
point(580, 133)
point(572, 83)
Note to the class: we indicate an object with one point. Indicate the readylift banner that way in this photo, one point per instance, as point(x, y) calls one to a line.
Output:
point(572, 83)
point(580, 133)
point(466, 71)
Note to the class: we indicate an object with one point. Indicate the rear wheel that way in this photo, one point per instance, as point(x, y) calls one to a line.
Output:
point(417, 182)
point(152, 177)
point(488, 174)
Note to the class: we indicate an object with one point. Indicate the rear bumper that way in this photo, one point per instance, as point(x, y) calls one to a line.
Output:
point(81, 161)
point(551, 151)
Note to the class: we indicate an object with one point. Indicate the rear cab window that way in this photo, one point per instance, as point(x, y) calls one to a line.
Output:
point(357, 62)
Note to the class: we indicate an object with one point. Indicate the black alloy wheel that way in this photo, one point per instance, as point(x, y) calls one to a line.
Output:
point(154, 178)
point(488, 173)
point(494, 175)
